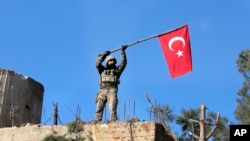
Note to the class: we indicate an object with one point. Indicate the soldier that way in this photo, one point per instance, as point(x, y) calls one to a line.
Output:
point(109, 80)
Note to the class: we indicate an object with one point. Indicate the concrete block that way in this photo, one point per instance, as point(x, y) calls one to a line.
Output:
point(21, 99)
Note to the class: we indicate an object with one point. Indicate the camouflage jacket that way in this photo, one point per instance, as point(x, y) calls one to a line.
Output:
point(110, 77)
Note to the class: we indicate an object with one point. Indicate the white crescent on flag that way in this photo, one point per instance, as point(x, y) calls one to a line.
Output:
point(176, 38)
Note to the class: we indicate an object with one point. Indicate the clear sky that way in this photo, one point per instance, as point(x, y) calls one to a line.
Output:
point(56, 42)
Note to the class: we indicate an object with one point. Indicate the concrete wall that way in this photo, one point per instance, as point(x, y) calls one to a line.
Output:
point(21, 99)
point(119, 131)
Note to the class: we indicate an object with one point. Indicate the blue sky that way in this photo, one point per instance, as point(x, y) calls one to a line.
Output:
point(56, 42)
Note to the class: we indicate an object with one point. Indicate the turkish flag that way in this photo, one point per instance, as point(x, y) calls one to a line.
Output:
point(177, 50)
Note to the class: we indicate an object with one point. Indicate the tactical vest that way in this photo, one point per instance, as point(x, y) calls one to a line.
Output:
point(109, 76)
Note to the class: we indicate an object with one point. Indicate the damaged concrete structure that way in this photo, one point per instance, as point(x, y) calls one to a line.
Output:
point(21, 99)
point(118, 131)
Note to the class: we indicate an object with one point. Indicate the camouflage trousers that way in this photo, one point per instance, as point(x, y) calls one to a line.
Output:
point(106, 95)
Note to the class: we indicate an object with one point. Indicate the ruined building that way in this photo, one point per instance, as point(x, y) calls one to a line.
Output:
point(21, 99)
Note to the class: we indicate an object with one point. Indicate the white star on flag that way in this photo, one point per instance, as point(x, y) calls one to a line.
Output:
point(179, 53)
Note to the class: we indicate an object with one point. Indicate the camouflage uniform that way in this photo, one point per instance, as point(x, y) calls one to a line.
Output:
point(109, 80)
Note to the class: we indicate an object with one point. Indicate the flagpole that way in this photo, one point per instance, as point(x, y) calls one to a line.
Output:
point(133, 43)
point(145, 39)
point(171, 30)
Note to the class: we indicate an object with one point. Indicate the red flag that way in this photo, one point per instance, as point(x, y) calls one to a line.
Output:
point(177, 51)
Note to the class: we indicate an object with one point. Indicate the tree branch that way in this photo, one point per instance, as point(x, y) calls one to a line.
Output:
point(195, 136)
point(215, 127)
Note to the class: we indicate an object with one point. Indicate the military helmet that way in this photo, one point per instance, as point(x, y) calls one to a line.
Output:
point(110, 57)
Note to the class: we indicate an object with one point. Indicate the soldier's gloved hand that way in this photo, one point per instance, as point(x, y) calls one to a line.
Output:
point(106, 53)
point(124, 47)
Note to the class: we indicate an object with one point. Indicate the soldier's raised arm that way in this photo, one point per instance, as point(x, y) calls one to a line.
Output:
point(99, 61)
point(123, 56)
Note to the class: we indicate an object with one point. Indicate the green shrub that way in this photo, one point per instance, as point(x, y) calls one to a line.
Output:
point(55, 138)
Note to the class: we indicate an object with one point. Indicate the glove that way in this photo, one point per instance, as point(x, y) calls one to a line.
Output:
point(124, 47)
point(106, 53)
